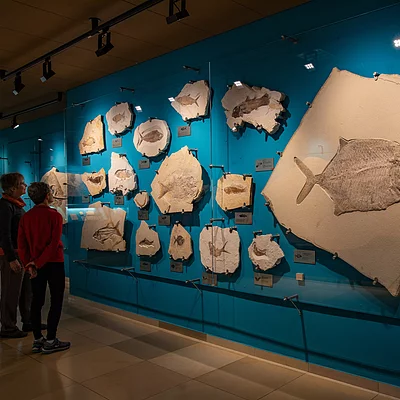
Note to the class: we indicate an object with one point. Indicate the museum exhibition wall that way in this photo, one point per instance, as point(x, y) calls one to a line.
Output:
point(252, 194)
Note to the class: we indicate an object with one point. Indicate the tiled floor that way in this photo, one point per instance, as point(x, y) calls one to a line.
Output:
point(119, 359)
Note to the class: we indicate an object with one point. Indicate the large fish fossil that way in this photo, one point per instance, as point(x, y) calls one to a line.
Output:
point(119, 117)
point(123, 174)
point(96, 180)
point(187, 100)
point(364, 175)
point(259, 252)
point(88, 142)
point(235, 189)
point(250, 105)
point(215, 251)
point(150, 137)
point(107, 232)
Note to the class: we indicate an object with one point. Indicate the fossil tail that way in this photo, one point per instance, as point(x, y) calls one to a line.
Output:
point(310, 182)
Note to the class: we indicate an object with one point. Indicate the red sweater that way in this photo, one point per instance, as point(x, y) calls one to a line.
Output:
point(39, 236)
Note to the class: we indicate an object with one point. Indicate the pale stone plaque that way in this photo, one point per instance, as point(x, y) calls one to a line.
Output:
point(95, 181)
point(121, 177)
point(264, 252)
point(180, 245)
point(119, 118)
point(142, 199)
point(234, 191)
point(93, 137)
point(147, 241)
point(152, 137)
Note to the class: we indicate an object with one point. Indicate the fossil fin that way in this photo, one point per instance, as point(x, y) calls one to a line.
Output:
point(310, 182)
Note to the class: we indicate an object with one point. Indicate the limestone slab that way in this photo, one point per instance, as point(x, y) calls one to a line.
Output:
point(147, 241)
point(256, 106)
point(95, 181)
point(220, 249)
point(142, 199)
point(93, 137)
point(103, 228)
point(180, 244)
point(193, 100)
point(264, 252)
point(121, 176)
point(234, 191)
point(178, 182)
point(119, 118)
point(347, 209)
point(152, 137)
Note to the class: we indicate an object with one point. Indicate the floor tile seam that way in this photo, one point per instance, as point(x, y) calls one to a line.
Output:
point(85, 387)
point(176, 372)
point(172, 387)
point(277, 363)
point(280, 387)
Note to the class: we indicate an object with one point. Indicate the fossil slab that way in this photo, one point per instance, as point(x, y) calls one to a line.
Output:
point(121, 177)
point(264, 252)
point(95, 181)
point(318, 200)
point(103, 228)
point(178, 182)
point(256, 106)
point(192, 102)
point(142, 199)
point(180, 244)
point(152, 137)
point(147, 241)
point(93, 137)
point(119, 118)
point(220, 249)
point(234, 191)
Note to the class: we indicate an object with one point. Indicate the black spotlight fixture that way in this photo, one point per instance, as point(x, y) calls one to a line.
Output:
point(14, 124)
point(18, 85)
point(177, 11)
point(47, 71)
point(103, 47)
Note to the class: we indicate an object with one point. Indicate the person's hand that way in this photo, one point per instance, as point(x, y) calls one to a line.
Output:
point(31, 269)
point(15, 266)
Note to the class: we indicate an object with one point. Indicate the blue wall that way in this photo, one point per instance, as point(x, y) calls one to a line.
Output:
point(347, 323)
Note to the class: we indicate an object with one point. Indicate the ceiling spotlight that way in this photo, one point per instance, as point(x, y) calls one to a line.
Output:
point(47, 71)
point(104, 47)
point(138, 108)
point(177, 11)
point(396, 42)
point(18, 85)
point(238, 83)
point(14, 124)
point(40, 139)
point(309, 66)
point(171, 99)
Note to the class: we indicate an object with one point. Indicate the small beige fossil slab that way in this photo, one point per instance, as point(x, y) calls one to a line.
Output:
point(180, 244)
point(192, 102)
point(147, 241)
point(178, 182)
point(103, 228)
point(95, 181)
point(119, 118)
point(220, 249)
point(121, 177)
point(264, 252)
point(234, 191)
point(142, 199)
point(259, 107)
point(93, 137)
point(152, 137)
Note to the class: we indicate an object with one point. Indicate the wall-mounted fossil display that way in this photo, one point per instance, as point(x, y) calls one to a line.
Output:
point(95, 181)
point(256, 106)
point(192, 102)
point(119, 118)
point(178, 183)
point(142, 199)
point(152, 137)
point(219, 249)
point(234, 191)
point(180, 244)
point(343, 195)
point(264, 252)
point(147, 241)
point(121, 177)
point(103, 228)
point(93, 137)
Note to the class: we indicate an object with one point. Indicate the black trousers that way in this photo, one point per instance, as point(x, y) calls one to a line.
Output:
point(54, 275)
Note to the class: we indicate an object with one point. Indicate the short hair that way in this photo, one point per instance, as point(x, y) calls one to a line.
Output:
point(37, 192)
point(9, 181)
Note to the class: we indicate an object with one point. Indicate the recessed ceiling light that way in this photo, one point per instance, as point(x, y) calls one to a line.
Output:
point(238, 83)
point(138, 108)
point(171, 99)
point(309, 66)
point(396, 42)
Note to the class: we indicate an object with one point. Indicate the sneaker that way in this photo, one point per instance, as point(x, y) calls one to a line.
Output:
point(28, 327)
point(17, 334)
point(37, 345)
point(56, 345)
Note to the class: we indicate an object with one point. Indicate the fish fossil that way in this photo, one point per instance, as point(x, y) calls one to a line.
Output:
point(146, 243)
point(88, 142)
point(119, 117)
point(150, 137)
point(123, 174)
point(187, 100)
point(179, 240)
point(364, 175)
point(96, 180)
point(234, 189)
point(178, 186)
point(250, 105)
point(216, 252)
point(259, 252)
point(107, 232)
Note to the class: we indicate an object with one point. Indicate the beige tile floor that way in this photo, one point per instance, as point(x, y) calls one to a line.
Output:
point(115, 358)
